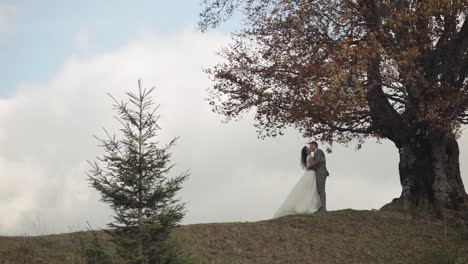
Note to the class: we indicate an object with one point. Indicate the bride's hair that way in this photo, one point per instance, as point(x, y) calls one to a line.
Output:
point(304, 156)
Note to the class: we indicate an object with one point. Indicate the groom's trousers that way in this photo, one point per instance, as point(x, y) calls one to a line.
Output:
point(321, 178)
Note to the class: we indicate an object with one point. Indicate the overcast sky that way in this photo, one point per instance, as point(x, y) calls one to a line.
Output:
point(59, 60)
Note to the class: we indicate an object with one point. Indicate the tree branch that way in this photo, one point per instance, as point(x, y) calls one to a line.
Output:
point(366, 130)
point(461, 46)
point(396, 99)
point(385, 117)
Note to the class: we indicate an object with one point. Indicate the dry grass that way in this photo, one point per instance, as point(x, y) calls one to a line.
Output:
point(50, 249)
point(346, 236)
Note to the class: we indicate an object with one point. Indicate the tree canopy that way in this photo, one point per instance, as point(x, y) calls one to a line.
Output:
point(347, 69)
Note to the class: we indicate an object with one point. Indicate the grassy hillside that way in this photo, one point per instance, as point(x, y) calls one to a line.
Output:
point(345, 236)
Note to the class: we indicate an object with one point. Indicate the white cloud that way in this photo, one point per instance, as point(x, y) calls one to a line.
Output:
point(46, 138)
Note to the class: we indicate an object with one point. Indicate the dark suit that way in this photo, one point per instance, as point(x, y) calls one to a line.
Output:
point(320, 166)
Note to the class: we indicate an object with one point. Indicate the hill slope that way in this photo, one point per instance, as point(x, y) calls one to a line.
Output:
point(346, 236)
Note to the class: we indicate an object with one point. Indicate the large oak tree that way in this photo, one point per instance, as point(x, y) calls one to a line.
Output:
point(349, 70)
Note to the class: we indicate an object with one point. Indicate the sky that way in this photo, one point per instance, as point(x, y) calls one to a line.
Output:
point(59, 60)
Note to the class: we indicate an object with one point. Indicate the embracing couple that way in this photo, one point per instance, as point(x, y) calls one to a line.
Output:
point(308, 195)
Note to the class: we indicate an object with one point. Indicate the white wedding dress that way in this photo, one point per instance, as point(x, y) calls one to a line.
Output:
point(303, 198)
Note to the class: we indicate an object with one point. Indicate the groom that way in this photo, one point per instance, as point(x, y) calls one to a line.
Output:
point(320, 166)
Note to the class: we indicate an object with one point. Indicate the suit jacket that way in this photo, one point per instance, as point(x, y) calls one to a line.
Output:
point(319, 164)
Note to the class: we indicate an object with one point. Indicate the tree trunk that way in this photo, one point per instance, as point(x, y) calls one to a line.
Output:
point(430, 176)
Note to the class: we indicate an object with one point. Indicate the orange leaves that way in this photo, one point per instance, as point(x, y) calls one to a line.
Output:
point(342, 69)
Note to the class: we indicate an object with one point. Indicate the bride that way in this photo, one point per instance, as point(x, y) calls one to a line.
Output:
point(304, 197)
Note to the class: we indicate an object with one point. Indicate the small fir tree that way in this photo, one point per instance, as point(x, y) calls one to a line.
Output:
point(132, 176)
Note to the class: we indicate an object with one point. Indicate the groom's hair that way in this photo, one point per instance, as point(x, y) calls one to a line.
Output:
point(313, 143)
